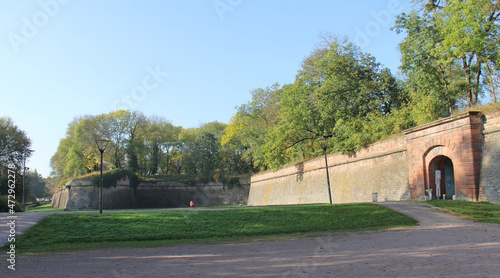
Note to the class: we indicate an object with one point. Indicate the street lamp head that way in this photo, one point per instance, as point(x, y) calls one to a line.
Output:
point(102, 144)
point(322, 142)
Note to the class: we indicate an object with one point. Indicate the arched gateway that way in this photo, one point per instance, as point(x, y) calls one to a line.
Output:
point(441, 178)
point(446, 152)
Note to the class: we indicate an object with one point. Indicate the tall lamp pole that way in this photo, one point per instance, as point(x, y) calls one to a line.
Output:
point(24, 170)
point(322, 142)
point(101, 145)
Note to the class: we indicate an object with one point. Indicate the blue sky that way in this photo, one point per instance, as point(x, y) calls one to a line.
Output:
point(191, 62)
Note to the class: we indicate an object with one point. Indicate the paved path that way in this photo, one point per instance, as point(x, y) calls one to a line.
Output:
point(442, 246)
point(18, 223)
point(426, 215)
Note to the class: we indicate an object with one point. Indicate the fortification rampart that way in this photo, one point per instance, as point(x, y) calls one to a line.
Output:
point(381, 168)
point(82, 194)
point(464, 149)
point(490, 166)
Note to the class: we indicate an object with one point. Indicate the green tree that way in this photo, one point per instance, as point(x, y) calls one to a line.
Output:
point(471, 36)
point(338, 91)
point(246, 134)
point(136, 125)
point(77, 153)
point(118, 125)
point(37, 186)
point(450, 50)
point(201, 150)
point(431, 85)
point(160, 138)
point(14, 143)
point(14, 149)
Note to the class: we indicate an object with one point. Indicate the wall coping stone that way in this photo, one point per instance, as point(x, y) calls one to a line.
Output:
point(491, 130)
point(442, 121)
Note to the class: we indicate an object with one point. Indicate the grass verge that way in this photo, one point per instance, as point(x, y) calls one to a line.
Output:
point(477, 211)
point(43, 208)
point(78, 231)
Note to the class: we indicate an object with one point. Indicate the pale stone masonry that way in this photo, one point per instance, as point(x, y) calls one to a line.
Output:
point(464, 147)
point(490, 167)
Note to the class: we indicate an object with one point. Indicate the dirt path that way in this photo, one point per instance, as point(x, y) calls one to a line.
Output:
point(442, 246)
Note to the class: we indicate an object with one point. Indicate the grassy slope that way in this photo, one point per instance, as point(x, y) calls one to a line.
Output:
point(43, 208)
point(477, 211)
point(68, 231)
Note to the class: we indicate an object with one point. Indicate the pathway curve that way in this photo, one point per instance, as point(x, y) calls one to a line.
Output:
point(442, 246)
point(426, 215)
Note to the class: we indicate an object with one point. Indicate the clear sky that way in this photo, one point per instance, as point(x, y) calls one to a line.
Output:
point(191, 62)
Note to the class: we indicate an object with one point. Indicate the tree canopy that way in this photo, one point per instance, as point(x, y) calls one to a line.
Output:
point(450, 54)
point(14, 149)
point(148, 146)
point(339, 93)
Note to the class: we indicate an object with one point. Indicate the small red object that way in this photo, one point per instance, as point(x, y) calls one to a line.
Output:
point(191, 204)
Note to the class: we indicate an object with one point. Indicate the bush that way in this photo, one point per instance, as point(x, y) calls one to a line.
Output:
point(4, 205)
point(109, 178)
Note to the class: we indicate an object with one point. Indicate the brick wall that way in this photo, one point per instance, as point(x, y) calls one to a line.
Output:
point(458, 138)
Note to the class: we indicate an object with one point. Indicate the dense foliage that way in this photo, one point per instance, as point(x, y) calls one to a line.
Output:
point(450, 59)
point(450, 55)
point(340, 94)
point(145, 146)
point(14, 149)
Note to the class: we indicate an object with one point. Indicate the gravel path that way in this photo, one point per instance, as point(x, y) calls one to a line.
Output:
point(442, 246)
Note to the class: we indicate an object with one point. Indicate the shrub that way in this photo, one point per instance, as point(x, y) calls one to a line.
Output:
point(109, 178)
point(4, 205)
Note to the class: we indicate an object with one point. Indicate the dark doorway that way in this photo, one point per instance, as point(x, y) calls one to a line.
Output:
point(443, 166)
point(449, 179)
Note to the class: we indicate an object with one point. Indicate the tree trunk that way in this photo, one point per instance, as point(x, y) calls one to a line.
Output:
point(492, 83)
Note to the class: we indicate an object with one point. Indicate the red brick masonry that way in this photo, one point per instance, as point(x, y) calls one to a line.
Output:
point(459, 138)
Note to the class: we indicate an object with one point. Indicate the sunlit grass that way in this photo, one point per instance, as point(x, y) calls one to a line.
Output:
point(69, 231)
point(43, 208)
point(477, 211)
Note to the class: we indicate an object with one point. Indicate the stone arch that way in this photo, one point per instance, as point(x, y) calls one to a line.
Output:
point(442, 187)
point(460, 139)
point(433, 153)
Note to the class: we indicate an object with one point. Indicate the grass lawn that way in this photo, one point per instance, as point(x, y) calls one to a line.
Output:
point(43, 208)
point(477, 211)
point(75, 231)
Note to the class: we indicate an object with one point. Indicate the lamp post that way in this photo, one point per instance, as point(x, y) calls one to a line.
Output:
point(24, 170)
point(322, 143)
point(101, 145)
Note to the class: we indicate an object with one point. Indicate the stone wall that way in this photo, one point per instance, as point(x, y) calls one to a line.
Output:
point(490, 167)
point(81, 194)
point(164, 194)
point(398, 169)
point(381, 168)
